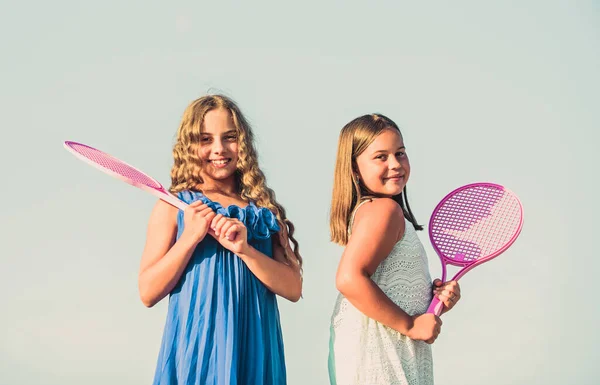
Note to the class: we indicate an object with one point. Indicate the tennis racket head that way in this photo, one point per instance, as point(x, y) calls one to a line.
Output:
point(121, 170)
point(112, 165)
point(474, 224)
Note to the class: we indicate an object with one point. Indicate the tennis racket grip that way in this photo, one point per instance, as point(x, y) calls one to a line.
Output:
point(436, 306)
point(174, 201)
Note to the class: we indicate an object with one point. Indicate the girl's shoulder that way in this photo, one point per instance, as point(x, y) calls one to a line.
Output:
point(382, 208)
point(379, 219)
point(163, 215)
point(377, 213)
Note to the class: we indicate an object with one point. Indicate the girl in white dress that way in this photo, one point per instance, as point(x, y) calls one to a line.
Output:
point(379, 332)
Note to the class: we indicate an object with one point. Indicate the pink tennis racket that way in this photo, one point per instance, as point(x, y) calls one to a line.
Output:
point(123, 171)
point(127, 173)
point(472, 225)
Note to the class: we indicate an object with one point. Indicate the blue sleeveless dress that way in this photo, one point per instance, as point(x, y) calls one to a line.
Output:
point(223, 324)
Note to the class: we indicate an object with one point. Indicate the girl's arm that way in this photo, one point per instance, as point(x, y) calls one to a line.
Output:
point(163, 259)
point(378, 225)
point(277, 274)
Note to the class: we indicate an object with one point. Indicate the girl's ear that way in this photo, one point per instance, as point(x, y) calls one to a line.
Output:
point(355, 171)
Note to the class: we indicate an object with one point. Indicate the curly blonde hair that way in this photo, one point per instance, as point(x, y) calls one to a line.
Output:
point(250, 180)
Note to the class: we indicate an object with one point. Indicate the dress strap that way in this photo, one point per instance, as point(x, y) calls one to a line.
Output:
point(354, 214)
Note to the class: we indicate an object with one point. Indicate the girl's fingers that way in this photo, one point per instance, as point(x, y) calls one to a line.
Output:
point(211, 232)
point(448, 295)
point(220, 224)
point(194, 208)
point(215, 220)
point(232, 231)
point(210, 216)
point(223, 230)
point(449, 292)
point(197, 204)
point(453, 286)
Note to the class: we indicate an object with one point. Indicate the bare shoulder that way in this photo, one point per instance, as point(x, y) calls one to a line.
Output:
point(163, 214)
point(377, 227)
point(383, 209)
point(379, 216)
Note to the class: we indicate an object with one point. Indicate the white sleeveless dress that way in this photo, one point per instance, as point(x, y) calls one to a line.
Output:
point(363, 351)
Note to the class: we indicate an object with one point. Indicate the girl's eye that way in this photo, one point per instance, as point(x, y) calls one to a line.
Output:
point(382, 157)
point(231, 137)
point(400, 154)
point(205, 139)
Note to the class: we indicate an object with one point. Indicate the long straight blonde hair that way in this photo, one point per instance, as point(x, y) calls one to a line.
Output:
point(250, 180)
point(348, 191)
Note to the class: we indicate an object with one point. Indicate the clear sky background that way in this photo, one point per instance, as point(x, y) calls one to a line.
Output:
point(506, 92)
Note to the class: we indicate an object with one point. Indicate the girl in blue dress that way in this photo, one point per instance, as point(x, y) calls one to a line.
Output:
point(222, 260)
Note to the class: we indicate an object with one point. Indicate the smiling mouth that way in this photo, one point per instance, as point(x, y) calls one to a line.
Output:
point(219, 162)
point(396, 177)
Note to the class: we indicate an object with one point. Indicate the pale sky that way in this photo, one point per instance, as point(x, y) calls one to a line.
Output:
point(505, 92)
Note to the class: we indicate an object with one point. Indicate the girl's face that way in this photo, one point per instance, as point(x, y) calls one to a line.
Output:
point(218, 146)
point(383, 168)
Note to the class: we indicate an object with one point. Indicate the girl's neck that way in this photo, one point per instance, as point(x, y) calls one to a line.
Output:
point(224, 195)
point(224, 188)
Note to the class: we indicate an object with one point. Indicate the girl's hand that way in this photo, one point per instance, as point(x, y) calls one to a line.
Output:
point(447, 292)
point(426, 327)
point(230, 233)
point(196, 219)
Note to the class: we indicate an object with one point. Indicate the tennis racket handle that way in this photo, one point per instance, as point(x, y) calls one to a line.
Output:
point(174, 201)
point(436, 306)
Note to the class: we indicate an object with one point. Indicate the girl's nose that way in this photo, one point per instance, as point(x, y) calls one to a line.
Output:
point(217, 146)
point(394, 164)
